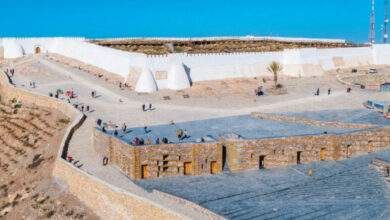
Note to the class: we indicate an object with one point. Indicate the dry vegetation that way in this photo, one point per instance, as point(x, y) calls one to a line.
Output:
point(154, 47)
point(29, 141)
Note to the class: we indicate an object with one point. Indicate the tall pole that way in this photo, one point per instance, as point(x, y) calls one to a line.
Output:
point(372, 29)
point(385, 36)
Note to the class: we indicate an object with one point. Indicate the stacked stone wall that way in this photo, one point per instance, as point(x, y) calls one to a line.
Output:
point(279, 152)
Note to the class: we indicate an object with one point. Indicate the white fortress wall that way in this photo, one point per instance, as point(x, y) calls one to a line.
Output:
point(382, 54)
point(201, 67)
point(111, 60)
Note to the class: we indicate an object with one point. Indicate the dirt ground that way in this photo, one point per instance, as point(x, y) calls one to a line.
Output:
point(29, 141)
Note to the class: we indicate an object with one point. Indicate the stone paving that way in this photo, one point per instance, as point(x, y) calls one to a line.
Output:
point(347, 189)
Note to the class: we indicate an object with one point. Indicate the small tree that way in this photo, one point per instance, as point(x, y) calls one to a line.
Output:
point(275, 68)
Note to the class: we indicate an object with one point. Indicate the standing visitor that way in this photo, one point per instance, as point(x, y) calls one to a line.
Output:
point(185, 133)
point(124, 127)
point(146, 129)
point(158, 141)
point(150, 107)
point(329, 91)
point(143, 107)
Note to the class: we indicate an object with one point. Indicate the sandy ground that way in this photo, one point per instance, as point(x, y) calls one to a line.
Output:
point(224, 98)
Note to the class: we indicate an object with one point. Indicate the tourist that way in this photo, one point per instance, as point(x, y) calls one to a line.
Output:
point(104, 129)
point(179, 133)
point(87, 108)
point(348, 90)
point(82, 108)
point(158, 141)
point(120, 85)
point(141, 141)
point(93, 94)
point(148, 142)
point(143, 107)
point(185, 133)
point(33, 83)
point(329, 91)
point(115, 132)
point(146, 129)
point(135, 141)
point(318, 92)
point(202, 139)
point(124, 127)
point(150, 107)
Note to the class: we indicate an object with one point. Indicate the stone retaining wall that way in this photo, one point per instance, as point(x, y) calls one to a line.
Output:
point(245, 155)
point(160, 160)
point(108, 201)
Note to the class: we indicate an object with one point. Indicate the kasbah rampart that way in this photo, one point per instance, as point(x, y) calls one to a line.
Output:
point(202, 128)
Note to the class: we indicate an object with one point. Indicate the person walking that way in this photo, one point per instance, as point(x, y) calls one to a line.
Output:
point(318, 91)
point(150, 107)
point(146, 129)
point(158, 141)
point(329, 91)
point(124, 127)
point(185, 133)
point(143, 107)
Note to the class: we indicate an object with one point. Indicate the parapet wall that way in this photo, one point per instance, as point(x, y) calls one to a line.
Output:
point(106, 200)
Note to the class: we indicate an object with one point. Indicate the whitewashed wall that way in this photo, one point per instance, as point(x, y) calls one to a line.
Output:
point(202, 67)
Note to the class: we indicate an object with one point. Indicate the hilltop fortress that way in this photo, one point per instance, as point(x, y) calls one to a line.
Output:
point(149, 73)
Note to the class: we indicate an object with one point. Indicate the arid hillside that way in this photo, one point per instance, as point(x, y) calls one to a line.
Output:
point(30, 137)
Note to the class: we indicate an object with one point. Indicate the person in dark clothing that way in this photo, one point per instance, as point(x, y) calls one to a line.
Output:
point(115, 132)
point(146, 129)
point(158, 141)
point(124, 127)
point(318, 92)
point(104, 129)
point(87, 108)
point(82, 108)
point(143, 107)
point(329, 91)
point(150, 107)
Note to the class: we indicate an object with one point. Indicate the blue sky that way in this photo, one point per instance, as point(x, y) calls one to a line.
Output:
point(345, 19)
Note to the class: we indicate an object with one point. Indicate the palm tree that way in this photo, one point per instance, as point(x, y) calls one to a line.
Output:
point(275, 68)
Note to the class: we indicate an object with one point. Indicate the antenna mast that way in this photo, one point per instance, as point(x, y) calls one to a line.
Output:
point(385, 36)
point(372, 29)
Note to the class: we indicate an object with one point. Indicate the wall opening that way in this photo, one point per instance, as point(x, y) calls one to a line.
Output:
point(213, 167)
point(144, 173)
point(299, 153)
point(261, 162)
point(223, 157)
point(37, 50)
point(322, 153)
point(187, 168)
point(348, 151)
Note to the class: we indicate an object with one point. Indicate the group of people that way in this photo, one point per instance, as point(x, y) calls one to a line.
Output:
point(317, 93)
point(144, 107)
point(124, 85)
point(182, 135)
point(32, 84)
point(12, 71)
point(140, 141)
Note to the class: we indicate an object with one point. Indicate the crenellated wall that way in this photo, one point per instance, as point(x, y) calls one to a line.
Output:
point(201, 67)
